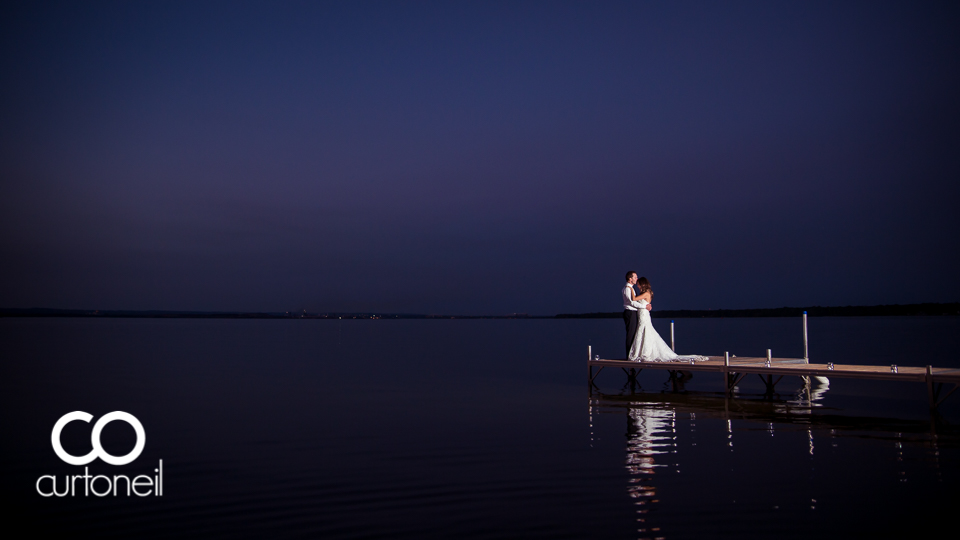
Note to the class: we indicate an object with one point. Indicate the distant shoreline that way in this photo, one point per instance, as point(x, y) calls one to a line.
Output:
point(887, 310)
point(928, 309)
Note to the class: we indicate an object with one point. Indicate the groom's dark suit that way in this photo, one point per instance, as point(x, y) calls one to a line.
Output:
point(630, 315)
point(630, 319)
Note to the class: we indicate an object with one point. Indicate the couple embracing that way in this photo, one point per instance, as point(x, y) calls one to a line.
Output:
point(644, 344)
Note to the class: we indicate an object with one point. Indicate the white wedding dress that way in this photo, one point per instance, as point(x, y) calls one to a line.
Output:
point(648, 346)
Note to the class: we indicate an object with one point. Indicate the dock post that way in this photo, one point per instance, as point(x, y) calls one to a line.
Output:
point(806, 351)
point(768, 381)
point(673, 346)
point(589, 367)
point(930, 395)
point(726, 367)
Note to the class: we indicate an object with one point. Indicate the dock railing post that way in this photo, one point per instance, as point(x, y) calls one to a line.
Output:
point(726, 367)
point(806, 350)
point(673, 346)
point(589, 367)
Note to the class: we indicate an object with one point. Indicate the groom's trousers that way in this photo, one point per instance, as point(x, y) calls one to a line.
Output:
point(631, 319)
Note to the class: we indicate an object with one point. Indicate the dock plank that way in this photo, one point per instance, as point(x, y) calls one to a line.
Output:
point(793, 366)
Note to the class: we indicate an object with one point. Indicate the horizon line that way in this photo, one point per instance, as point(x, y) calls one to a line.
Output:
point(925, 308)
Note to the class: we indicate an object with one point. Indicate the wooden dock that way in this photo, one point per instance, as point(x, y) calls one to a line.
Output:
point(772, 370)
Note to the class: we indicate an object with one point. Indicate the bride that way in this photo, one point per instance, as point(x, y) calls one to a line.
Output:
point(648, 346)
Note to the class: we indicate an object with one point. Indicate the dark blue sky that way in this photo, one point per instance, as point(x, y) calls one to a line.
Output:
point(484, 157)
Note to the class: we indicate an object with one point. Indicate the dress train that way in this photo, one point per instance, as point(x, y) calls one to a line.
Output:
point(648, 346)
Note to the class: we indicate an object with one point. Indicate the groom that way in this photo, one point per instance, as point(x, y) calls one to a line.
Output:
point(630, 308)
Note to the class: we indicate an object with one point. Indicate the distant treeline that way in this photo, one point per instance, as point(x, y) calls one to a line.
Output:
point(952, 308)
point(813, 311)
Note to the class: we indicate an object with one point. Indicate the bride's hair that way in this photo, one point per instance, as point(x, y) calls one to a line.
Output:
point(643, 285)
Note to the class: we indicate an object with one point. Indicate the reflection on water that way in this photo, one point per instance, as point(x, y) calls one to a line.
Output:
point(651, 440)
point(651, 435)
point(810, 394)
point(662, 439)
point(364, 429)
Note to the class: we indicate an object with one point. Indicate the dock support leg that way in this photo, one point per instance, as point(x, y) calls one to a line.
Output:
point(726, 368)
point(734, 378)
point(944, 398)
point(934, 390)
point(590, 374)
point(730, 378)
point(770, 384)
point(632, 374)
point(678, 378)
point(589, 367)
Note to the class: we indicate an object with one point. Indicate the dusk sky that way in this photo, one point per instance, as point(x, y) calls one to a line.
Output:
point(478, 157)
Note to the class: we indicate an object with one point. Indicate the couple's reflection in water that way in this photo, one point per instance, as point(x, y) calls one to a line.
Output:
point(661, 438)
point(651, 436)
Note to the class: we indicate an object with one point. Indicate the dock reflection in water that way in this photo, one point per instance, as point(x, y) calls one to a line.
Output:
point(308, 429)
point(677, 487)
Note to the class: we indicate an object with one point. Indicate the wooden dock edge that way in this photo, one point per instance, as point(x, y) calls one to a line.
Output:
point(734, 369)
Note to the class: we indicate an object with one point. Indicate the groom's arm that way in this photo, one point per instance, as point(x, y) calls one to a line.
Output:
point(641, 304)
point(629, 298)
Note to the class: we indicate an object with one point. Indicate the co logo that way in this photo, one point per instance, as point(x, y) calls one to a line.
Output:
point(98, 451)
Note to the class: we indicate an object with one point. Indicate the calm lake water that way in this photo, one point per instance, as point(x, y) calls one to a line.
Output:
point(473, 428)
